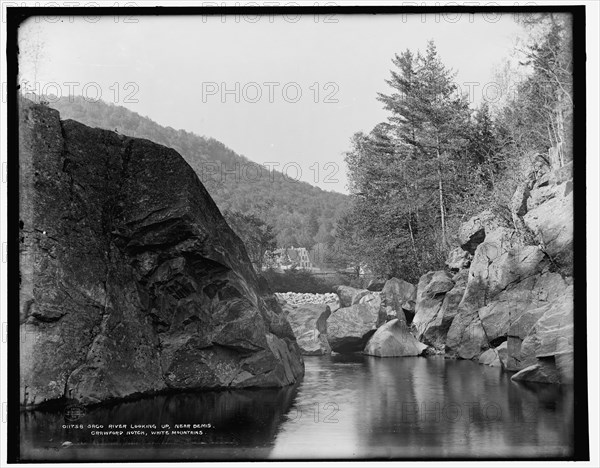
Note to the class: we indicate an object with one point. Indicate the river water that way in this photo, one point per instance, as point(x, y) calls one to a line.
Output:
point(347, 406)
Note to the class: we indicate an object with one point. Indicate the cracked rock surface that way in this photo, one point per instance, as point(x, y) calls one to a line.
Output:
point(512, 306)
point(131, 280)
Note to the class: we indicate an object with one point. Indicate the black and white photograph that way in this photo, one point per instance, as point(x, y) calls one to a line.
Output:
point(299, 232)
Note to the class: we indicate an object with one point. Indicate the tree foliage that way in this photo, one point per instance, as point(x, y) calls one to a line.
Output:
point(409, 174)
point(435, 161)
point(535, 122)
point(540, 114)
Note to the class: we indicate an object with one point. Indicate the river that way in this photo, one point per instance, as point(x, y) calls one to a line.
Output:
point(347, 406)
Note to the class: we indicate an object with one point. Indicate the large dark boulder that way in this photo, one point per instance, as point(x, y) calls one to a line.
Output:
point(132, 281)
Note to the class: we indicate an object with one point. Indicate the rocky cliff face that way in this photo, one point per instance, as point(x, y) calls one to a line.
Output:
point(131, 280)
point(517, 306)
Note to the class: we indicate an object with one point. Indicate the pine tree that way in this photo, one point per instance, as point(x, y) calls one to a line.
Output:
point(429, 118)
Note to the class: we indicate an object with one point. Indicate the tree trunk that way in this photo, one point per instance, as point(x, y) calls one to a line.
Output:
point(442, 210)
point(412, 240)
point(410, 230)
point(441, 194)
point(560, 130)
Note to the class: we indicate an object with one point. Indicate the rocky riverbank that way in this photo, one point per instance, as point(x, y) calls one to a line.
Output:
point(505, 299)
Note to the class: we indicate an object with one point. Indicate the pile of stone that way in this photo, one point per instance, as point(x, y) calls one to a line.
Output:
point(307, 298)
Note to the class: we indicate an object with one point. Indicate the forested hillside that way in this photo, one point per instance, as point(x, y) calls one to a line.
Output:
point(299, 214)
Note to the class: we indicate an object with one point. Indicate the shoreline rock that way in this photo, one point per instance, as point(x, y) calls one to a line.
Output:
point(132, 281)
point(394, 339)
point(309, 324)
point(520, 293)
point(349, 328)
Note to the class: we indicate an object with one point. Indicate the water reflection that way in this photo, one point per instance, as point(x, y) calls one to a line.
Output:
point(431, 408)
point(347, 406)
point(439, 408)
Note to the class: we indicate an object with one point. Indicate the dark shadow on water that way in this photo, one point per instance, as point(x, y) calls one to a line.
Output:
point(229, 420)
point(347, 358)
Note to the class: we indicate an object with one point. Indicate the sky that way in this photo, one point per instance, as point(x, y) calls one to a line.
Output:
point(284, 91)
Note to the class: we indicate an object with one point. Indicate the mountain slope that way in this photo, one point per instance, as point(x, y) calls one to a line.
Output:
point(232, 180)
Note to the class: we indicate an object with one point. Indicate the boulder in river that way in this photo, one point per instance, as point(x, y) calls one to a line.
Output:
point(349, 328)
point(132, 281)
point(309, 324)
point(541, 372)
point(495, 357)
point(394, 339)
